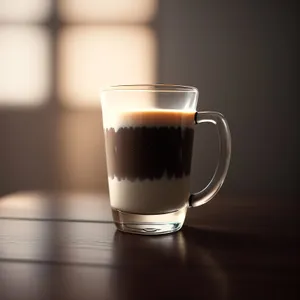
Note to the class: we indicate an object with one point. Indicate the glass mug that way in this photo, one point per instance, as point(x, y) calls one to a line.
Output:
point(149, 132)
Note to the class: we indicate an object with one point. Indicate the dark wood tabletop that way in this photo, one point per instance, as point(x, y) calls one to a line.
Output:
point(65, 246)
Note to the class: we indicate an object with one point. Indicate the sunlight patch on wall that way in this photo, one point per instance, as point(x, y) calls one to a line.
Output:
point(98, 56)
point(25, 65)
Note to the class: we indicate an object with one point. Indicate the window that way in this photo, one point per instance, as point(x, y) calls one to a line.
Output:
point(65, 53)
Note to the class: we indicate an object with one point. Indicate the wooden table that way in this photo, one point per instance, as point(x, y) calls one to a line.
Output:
point(65, 246)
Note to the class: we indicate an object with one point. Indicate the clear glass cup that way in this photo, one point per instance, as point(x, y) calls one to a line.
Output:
point(149, 132)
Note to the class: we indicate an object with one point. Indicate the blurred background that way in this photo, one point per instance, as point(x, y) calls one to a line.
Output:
point(55, 55)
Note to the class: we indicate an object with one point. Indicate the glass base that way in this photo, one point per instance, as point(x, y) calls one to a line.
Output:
point(149, 224)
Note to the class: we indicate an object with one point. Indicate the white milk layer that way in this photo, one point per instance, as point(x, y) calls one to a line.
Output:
point(149, 196)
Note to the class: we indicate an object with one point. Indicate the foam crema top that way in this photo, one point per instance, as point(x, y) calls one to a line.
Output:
point(148, 118)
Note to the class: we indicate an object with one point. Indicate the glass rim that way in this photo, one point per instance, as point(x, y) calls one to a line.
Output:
point(159, 87)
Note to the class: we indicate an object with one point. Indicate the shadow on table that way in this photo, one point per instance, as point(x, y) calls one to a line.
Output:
point(205, 263)
point(168, 266)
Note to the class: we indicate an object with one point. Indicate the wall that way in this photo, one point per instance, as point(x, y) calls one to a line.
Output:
point(242, 57)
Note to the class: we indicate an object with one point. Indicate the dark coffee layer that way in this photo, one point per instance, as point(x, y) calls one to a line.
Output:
point(149, 152)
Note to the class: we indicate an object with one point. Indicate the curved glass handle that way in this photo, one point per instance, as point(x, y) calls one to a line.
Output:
point(224, 157)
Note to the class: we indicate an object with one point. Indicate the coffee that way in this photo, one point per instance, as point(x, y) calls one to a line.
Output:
point(149, 160)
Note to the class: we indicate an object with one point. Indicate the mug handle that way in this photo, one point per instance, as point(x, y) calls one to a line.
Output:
point(217, 180)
